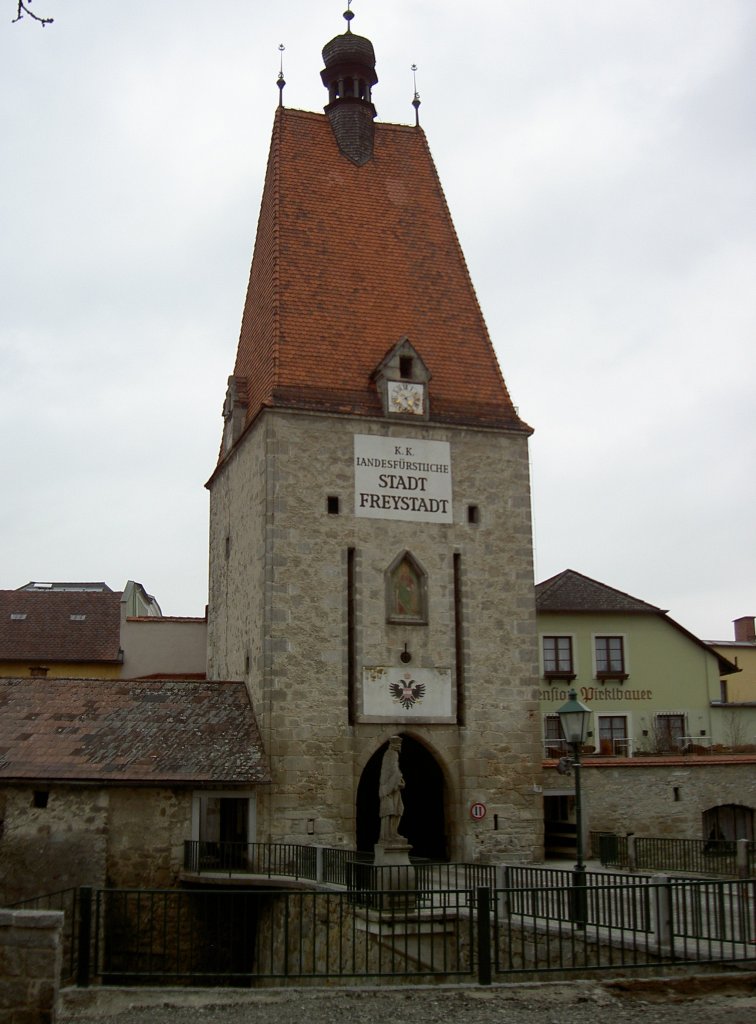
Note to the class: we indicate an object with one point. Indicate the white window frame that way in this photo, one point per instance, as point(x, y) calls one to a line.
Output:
point(603, 635)
point(233, 794)
point(671, 714)
point(627, 738)
point(573, 649)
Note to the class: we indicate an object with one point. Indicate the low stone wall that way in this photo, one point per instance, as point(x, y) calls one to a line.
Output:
point(657, 796)
point(30, 962)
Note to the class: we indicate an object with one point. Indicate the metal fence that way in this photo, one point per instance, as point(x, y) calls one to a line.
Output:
point(693, 856)
point(237, 938)
point(617, 901)
point(646, 924)
point(288, 860)
point(242, 937)
point(330, 866)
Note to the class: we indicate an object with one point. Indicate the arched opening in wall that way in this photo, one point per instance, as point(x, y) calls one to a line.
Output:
point(423, 823)
point(728, 823)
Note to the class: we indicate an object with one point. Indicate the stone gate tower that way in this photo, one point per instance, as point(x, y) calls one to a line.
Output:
point(370, 536)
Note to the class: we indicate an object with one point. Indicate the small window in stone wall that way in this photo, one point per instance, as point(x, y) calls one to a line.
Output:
point(40, 798)
point(406, 591)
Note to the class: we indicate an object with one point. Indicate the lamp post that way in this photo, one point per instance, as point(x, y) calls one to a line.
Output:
point(573, 717)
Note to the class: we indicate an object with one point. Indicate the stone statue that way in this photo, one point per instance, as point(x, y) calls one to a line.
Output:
point(390, 792)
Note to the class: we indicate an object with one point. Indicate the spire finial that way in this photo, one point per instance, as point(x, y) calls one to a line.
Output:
point(416, 99)
point(281, 81)
point(348, 15)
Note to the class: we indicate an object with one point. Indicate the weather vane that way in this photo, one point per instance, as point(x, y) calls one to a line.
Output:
point(416, 99)
point(281, 81)
point(348, 15)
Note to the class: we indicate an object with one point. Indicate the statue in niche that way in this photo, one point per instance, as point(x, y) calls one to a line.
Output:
point(390, 789)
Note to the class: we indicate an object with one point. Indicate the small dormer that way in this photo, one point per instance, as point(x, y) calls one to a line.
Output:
point(402, 380)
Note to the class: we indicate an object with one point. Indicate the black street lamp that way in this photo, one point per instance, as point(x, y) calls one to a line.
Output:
point(573, 717)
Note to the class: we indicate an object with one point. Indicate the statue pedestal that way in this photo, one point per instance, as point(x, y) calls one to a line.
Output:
point(392, 852)
point(395, 876)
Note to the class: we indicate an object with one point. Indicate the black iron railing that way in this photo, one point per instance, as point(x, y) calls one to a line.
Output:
point(692, 856)
point(282, 860)
point(236, 937)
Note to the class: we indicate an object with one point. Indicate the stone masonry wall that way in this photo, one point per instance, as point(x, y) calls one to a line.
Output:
point(278, 618)
point(659, 799)
point(146, 833)
point(30, 963)
point(59, 846)
point(91, 836)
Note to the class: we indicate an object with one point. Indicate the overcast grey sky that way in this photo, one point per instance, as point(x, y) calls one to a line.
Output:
point(599, 159)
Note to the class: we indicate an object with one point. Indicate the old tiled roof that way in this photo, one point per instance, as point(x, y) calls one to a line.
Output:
point(348, 260)
point(38, 625)
point(569, 591)
point(153, 731)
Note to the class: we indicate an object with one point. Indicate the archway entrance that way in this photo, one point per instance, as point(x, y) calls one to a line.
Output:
point(423, 822)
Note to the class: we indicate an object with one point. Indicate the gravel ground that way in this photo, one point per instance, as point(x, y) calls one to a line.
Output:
point(700, 1000)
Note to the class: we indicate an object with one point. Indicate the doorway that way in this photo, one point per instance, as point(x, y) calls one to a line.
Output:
point(423, 823)
point(560, 830)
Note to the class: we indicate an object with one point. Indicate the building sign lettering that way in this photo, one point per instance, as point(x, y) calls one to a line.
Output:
point(598, 693)
point(402, 478)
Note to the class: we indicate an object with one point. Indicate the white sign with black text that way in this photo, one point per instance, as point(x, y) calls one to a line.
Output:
point(402, 478)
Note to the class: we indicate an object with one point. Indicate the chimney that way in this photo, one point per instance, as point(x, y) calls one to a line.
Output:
point(744, 629)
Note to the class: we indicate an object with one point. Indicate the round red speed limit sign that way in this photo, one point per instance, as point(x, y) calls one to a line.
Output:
point(478, 811)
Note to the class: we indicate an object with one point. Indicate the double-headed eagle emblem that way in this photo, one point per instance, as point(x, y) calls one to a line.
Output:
point(407, 692)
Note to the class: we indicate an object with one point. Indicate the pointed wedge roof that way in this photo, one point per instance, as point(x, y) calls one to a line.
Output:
point(570, 591)
point(348, 260)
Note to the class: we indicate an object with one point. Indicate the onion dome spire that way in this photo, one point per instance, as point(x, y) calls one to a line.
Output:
point(349, 75)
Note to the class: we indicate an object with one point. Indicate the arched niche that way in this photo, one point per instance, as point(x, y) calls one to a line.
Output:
point(423, 823)
point(406, 591)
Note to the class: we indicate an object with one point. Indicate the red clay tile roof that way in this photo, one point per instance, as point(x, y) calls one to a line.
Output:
point(347, 261)
point(48, 633)
point(153, 731)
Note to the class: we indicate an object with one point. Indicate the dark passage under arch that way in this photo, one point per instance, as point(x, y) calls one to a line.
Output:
point(423, 822)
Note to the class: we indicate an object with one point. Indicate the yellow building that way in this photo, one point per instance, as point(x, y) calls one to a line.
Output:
point(737, 698)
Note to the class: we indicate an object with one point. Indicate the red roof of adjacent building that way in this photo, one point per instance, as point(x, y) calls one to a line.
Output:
point(148, 731)
point(60, 625)
point(348, 260)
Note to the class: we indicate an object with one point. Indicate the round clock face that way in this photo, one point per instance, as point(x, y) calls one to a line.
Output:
point(405, 397)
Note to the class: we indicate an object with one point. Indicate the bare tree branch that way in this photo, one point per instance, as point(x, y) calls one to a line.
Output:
point(23, 9)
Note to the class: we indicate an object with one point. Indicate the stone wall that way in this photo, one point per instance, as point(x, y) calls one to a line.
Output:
point(60, 845)
point(146, 833)
point(278, 618)
point(658, 799)
point(30, 962)
point(87, 835)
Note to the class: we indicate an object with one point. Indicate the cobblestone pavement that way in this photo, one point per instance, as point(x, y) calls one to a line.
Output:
point(700, 1000)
